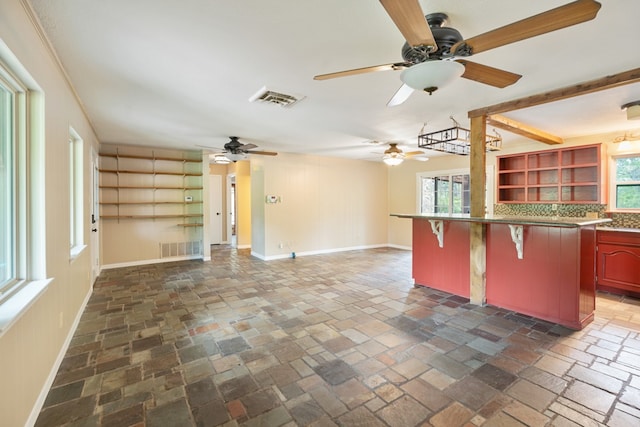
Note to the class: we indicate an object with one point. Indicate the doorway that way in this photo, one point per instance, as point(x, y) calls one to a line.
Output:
point(231, 203)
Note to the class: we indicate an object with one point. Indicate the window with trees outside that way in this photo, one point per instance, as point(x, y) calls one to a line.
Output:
point(444, 193)
point(22, 249)
point(625, 182)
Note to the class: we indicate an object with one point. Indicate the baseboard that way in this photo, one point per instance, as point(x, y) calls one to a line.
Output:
point(37, 407)
point(322, 251)
point(404, 248)
point(151, 261)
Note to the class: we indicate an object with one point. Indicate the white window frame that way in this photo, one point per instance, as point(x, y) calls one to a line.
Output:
point(8, 163)
point(27, 247)
point(613, 184)
point(76, 194)
point(489, 183)
point(434, 174)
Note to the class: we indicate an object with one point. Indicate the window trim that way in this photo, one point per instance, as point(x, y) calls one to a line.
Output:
point(29, 246)
point(17, 199)
point(433, 174)
point(76, 194)
point(613, 184)
point(489, 183)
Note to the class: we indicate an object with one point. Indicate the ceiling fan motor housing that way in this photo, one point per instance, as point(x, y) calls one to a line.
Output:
point(445, 38)
point(234, 146)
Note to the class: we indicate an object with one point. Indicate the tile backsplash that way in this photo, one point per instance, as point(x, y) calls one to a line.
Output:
point(620, 220)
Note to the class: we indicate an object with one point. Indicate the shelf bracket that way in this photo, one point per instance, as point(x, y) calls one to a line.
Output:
point(517, 236)
point(438, 229)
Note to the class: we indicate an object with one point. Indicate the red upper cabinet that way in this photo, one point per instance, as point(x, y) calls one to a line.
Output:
point(566, 175)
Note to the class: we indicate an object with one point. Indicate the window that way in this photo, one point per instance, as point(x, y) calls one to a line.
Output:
point(7, 185)
point(76, 188)
point(625, 182)
point(444, 192)
point(22, 248)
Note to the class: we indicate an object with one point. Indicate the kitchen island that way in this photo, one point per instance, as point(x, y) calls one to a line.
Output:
point(543, 267)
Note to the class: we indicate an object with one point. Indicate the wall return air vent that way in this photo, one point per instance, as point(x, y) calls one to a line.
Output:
point(268, 96)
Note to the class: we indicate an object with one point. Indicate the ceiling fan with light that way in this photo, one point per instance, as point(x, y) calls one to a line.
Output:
point(235, 150)
point(434, 54)
point(394, 155)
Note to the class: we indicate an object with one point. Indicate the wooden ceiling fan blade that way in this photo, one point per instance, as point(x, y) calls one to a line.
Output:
point(488, 75)
point(400, 96)
point(413, 153)
point(410, 20)
point(555, 19)
point(364, 70)
point(263, 153)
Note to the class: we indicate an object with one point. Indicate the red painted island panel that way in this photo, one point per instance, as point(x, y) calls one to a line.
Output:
point(447, 268)
point(555, 279)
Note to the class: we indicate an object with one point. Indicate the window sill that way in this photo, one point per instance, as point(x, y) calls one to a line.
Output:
point(17, 304)
point(76, 251)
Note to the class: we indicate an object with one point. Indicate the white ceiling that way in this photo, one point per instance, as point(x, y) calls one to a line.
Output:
point(176, 73)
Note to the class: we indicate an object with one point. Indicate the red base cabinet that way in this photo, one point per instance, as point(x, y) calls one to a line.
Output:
point(618, 267)
point(554, 280)
point(445, 268)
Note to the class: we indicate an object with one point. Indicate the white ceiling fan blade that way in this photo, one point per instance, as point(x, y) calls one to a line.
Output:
point(400, 96)
point(209, 148)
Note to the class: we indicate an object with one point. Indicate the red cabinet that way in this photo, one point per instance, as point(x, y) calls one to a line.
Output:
point(567, 175)
point(618, 265)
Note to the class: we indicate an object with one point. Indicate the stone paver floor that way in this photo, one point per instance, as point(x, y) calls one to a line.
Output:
point(340, 339)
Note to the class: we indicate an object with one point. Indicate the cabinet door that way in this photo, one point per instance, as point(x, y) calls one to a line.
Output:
point(619, 266)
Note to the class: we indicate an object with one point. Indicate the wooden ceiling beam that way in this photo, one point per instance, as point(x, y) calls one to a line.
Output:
point(522, 129)
point(604, 83)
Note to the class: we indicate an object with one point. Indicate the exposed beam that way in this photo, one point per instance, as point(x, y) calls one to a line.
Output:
point(522, 129)
point(604, 83)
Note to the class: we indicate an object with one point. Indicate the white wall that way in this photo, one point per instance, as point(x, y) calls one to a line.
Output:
point(325, 204)
point(31, 347)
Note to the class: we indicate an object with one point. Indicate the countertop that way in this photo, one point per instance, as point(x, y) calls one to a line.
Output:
point(619, 229)
point(546, 221)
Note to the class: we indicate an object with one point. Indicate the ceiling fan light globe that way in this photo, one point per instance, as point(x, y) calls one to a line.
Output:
point(219, 159)
point(234, 157)
point(432, 74)
point(393, 159)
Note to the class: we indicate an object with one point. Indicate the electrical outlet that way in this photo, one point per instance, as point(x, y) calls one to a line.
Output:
point(280, 245)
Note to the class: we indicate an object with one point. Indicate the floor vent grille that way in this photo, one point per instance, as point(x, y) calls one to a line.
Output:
point(180, 249)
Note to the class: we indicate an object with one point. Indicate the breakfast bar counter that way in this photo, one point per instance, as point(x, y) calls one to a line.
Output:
point(543, 267)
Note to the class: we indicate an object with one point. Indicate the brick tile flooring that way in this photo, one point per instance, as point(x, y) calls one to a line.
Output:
point(341, 339)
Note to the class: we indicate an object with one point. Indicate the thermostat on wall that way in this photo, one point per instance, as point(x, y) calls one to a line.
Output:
point(272, 199)
point(188, 198)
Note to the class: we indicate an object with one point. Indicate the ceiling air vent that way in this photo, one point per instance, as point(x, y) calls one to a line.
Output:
point(267, 96)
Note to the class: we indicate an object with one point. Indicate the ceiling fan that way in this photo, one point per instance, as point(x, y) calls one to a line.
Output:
point(433, 53)
point(394, 155)
point(234, 150)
